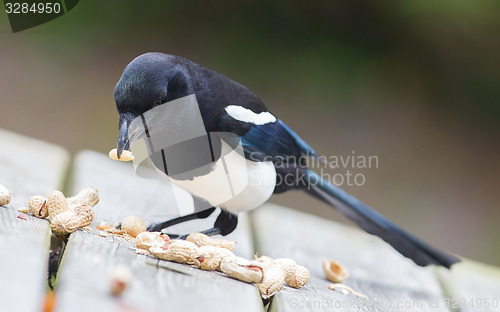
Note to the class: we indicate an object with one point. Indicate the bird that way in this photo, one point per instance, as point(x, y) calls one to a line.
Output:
point(271, 158)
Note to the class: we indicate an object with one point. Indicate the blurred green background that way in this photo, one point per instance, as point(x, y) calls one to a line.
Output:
point(415, 83)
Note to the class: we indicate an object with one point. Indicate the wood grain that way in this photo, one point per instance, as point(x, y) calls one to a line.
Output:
point(83, 278)
point(391, 282)
point(27, 167)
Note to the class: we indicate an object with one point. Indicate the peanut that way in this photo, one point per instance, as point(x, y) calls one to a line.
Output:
point(37, 205)
point(56, 204)
point(88, 196)
point(299, 278)
point(288, 265)
point(69, 221)
point(125, 156)
point(215, 254)
point(273, 278)
point(242, 269)
point(179, 251)
point(133, 225)
point(146, 240)
point(210, 257)
point(296, 276)
point(4, 195)
point(203, 240)
point(334, 271)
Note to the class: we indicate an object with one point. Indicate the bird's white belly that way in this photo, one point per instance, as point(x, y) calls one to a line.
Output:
point(235, 183)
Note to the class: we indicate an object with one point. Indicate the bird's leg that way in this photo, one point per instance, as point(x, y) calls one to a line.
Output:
point(156, 227)
point(226, 223)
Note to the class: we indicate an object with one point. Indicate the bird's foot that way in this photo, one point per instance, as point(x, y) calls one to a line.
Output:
point(209, 232)
point(157, 227)
point(225, 223)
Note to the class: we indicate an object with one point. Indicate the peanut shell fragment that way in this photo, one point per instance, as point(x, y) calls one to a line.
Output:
point(242, 269)
point(4, 195)
point(334, 271)
point(272, 281)
point(146, 240)
point(345, 289)
point(125, 155)
point(37, 206)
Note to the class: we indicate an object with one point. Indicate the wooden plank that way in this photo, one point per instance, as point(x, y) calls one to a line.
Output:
point(27, 167)
point(88, 258)
point(83, 281)
point(391, 282)
point(471, 286)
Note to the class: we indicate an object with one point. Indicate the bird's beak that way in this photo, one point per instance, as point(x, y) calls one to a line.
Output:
point(123, 139)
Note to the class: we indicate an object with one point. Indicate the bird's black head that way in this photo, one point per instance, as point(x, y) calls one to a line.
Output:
point(149, 80)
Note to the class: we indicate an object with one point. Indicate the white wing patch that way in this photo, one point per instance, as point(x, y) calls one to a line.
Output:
point(247, 115)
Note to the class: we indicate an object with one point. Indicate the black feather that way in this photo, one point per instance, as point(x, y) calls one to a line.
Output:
point(374, 223)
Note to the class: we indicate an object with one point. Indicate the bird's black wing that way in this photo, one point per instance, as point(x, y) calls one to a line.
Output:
point(273, 141)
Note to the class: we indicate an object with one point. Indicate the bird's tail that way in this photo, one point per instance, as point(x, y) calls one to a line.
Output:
point(374, 223)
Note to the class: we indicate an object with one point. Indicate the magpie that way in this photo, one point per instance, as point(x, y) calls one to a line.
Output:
point(273, 155)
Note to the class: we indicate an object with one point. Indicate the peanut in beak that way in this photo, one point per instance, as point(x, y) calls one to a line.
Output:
point(125, 156)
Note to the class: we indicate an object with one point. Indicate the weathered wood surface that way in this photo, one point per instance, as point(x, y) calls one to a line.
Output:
point(471, 287)
point(391, 282)
point(83, 278)
point(27, 167)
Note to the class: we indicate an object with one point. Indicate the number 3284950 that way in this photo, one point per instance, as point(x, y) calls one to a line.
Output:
point(459, 303)
point(35, 8)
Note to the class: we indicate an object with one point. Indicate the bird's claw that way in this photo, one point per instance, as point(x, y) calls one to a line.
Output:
point(155, 227)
